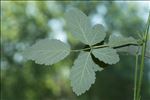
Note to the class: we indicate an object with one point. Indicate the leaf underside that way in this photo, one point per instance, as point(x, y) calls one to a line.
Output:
point(79, 25)
point(115, 41)
point(83, 73)
point(107, 55)
point(47, 51)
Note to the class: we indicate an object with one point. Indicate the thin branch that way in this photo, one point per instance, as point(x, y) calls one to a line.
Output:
point(78, 50)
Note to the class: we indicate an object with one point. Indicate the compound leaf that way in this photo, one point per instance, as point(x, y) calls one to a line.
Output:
point(107, 55)
point(79, 25)
point(47, 51)
point(83, 73)
point(115, 41)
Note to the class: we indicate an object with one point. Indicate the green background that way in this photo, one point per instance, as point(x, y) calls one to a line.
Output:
point(25, 22)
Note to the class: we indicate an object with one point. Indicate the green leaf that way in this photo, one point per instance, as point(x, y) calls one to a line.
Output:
point(97, 34)
point(79, 25)
point(97, 68)
point(83, 73)
point(107, 55)
point(47, 51)
point(132, 50)
point(115, 41)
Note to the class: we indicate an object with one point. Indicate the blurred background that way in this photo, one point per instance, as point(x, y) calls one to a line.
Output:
point(25, 22)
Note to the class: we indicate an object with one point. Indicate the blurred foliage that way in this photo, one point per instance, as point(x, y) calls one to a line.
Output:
point(25, 22)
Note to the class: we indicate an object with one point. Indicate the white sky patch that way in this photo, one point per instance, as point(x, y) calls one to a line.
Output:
point(144, 8)
point(18, 57)
point(97, 19)
point(55, 24)
point(57, 30)
point(31, 8)
point(101, 9)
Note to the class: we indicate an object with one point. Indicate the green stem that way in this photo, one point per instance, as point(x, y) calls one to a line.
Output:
point(99, 46)
point(136, 76)
point(94, 47)
point(78, 50)
point(141, 72)
point(143, 59)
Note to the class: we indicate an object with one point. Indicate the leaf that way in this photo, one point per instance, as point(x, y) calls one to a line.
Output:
point(47, 51)
point(83, 73)
point(132, 50)
point(115, 41)
point(107, 55)
point(97, 34)
point(97, 68)
point(79, 25)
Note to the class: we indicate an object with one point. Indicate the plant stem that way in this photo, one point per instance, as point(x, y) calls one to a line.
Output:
point(136, 76)
point(78, 50)
point(96, 47)
point(141, 72)
point(100, 46)
point(143, 59)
